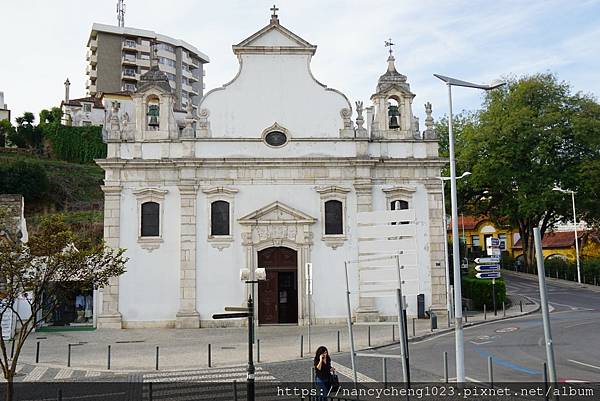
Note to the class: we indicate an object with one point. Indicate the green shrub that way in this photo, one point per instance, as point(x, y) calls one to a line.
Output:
point(480, 291)
point(27, 178)
point(75, 144)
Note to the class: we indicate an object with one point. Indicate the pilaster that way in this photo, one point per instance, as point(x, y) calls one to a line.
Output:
point(187, 316)
point(437, 236)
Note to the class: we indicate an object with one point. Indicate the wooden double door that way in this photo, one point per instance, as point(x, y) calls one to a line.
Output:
point(278, 295)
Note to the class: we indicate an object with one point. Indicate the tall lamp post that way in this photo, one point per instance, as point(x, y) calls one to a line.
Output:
point(458, 325)
point(566, 191)
point(448, 290)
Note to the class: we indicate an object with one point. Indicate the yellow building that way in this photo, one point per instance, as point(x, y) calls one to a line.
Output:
point(474, 231)
point(561, 244)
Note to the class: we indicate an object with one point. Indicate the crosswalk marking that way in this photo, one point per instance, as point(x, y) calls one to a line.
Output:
point(207, 375)
point(36, 374)
point(63, 374)
point(348, 373)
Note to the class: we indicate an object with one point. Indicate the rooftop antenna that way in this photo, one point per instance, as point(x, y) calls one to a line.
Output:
point(121, 12)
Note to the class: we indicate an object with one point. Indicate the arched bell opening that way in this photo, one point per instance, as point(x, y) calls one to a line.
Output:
point(393, 105)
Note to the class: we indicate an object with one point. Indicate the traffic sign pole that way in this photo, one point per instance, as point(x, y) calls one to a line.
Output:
point(494, 295)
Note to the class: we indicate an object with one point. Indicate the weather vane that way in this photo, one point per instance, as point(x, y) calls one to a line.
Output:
point(389, 43)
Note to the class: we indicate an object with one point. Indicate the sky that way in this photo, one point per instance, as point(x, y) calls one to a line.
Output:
point(44, 42)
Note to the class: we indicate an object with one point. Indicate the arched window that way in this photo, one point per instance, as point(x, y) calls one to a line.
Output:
point(399, 205)
point(334, 217)
point(219, 218)
point(150, 219)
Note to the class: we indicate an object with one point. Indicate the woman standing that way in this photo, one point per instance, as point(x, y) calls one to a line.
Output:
point(323, 370)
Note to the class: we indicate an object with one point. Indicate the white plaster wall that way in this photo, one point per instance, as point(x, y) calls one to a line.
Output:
point(423, 286)
point(150, 287)
point(260, 149)
point(218, 271)
point(274, 88)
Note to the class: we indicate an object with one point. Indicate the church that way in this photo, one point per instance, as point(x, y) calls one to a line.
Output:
point(271, 172)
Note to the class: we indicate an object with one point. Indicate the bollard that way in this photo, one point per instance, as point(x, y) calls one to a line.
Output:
point(490, 372)
point(37, 352)
point(465, 313)
point(338, 341)
point(595, 281)
point(384, 367)
point(414, 328)
point(503, 309)
point(484, 312)
point(59, 395)
point(209, 357)
point(312, 374)
point(12, 349)
point(235, 397)
point(301, 346)
point(545, 381)
point(69, 356)
point(258, 350)
point(448, 318)
point(369, 335)
point(393, 332)
point(157, 357)
point(150, 391)
point(521, 305)
point(445, 367)
point(108, 359)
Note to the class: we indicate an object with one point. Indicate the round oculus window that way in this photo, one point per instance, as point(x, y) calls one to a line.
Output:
point(276, 138)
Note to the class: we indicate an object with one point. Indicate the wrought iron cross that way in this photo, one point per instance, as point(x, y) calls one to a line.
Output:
point(274, 9)
point(389, 43)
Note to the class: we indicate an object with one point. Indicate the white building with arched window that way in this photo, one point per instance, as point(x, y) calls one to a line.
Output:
point(271, 173)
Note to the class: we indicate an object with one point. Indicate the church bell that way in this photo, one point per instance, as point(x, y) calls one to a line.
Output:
point(394, 115)
point(153, 121)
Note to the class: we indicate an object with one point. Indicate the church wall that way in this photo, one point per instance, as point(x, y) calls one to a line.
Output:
point(152, 277)
point(257, 148)
point(271, 85)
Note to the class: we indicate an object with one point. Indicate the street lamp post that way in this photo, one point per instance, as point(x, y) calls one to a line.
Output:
point(448, 290)
point(565, 191)
point(458, 325)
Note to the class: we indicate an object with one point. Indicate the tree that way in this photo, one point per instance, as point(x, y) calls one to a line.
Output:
point(27, 135)
point(6, 129)
point(530, 135)
point(38, 271)
point(52, 116)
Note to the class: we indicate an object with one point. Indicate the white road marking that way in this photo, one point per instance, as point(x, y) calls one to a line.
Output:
point(481, 343)
point(63, 374)
point(584, 364)
point(341, 369)
point(36, 374)
point(91, 373)
point(208, 375)
point(453, 379)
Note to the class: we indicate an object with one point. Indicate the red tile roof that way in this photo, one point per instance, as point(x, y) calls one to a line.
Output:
point(470, 222)
point(556, 239)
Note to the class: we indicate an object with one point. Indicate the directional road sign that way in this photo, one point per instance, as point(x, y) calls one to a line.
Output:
point(487, 268)
point(487, 260)
point(488, 275)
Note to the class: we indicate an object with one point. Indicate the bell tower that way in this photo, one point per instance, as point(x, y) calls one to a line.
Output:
point(392, 102)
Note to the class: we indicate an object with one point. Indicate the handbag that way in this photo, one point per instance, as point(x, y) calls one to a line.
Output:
point(335, 382)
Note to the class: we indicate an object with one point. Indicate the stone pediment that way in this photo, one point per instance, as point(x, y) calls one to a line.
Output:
point(274, 37)
point(277, 213)
point(385, 89)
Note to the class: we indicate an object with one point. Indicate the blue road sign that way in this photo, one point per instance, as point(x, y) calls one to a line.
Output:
point(488, 275)
point(487, 268)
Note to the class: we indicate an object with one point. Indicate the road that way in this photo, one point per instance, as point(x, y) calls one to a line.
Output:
point(515, 345)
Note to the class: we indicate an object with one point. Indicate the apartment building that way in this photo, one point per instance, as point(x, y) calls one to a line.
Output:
point(4, 110)
point(118, 56)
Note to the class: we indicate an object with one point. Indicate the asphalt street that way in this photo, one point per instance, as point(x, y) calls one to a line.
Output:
point(516, 345)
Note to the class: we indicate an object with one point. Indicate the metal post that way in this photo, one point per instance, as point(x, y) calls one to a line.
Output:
point(393, 332)
point(384, 368)
point(576, 239)
point(544, 303)
point(59, 396)
point(490, 372)
point(338, 341)
point(209, 357)
point(69, 356)
point(466, 316)
point(12, 349)
point(251, 370)
point(350, 334)
point(258, 350)
point(235, 396)
point(37, 352)
point(369, 335)
point(401, 324)
point(458, 328)
point(446, 264)
point(494, 296)
point(521, 305)
point(157, 351)
point(484, 313)
point(301, 346)
point(503, 309)
point(446, 367)
point(414, 327)
point(150, 393)
point(312, 374)
point(545, 381)
point(108, 359)
point(448, 318)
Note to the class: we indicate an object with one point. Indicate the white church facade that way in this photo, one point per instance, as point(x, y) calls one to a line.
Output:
point(271, 173)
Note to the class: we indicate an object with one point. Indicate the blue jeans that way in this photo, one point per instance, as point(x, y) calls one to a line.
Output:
point(323, 387)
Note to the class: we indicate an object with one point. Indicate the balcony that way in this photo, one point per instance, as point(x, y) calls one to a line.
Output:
point(129, 45)
point(130, 60)
point(93, 44)
point(92, 73)
point(92, 89)
point(92, 58)
point(130, 75)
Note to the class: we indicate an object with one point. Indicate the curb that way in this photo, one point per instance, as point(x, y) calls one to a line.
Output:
point(557, 281)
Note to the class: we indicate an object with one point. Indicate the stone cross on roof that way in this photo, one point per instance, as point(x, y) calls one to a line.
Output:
point(274, 15)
